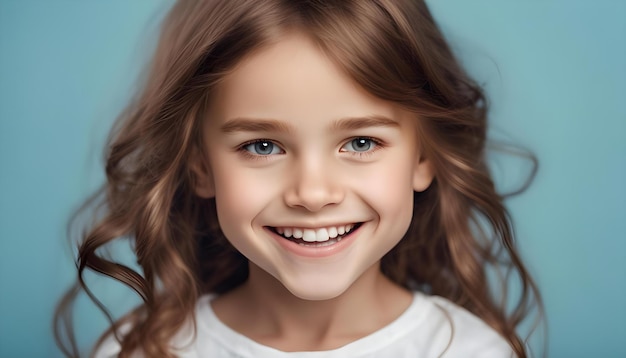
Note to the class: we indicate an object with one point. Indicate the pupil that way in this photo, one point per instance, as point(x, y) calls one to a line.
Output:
point(263, 147)
point(361, 144)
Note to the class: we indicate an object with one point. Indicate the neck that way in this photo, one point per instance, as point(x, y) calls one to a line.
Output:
point(264, 310)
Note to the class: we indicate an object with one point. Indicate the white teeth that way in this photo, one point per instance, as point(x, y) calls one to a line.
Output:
point(315, 235)
point(321, 235)
point(321, 244)
point(309, 235)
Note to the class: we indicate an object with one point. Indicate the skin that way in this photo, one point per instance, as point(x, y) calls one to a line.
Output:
point(280, 141)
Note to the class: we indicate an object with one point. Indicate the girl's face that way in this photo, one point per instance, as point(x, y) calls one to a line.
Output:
point(313, 177)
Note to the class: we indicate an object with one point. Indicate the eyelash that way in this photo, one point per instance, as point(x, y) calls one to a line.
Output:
point(378, 144)
point(249, 155)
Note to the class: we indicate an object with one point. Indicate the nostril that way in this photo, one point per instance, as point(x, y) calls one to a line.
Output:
point(313, 199)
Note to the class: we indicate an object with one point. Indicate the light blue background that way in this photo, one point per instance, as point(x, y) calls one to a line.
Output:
point(556, 74)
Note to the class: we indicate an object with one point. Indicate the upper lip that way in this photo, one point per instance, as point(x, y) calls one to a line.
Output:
point(315, 226)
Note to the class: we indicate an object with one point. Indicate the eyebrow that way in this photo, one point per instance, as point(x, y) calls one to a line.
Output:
point(272, 125)
point(352, 123)
point(254, 125)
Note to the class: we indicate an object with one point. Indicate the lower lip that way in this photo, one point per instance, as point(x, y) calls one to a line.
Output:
point(313, 251)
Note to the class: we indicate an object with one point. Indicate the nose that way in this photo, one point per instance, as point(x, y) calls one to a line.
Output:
point(313, 186)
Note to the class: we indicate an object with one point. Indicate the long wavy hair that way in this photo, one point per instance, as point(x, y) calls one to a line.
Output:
point(460, 232)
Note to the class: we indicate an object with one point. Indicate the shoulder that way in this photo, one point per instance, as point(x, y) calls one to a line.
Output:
point(462, 332)
point(431, 326)
point(109, 346)
point(183, 343)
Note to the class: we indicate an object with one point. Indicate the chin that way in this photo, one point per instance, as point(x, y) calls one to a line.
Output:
point(316, 295)
point(317, 288)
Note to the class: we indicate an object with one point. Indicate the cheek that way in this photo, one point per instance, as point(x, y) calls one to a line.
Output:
point(238, 191)
point(388, 187)
point(241, 194)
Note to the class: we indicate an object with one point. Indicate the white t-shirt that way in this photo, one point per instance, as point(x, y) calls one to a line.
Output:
point(431, 327)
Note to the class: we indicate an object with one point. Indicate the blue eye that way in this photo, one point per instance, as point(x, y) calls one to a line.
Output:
point(262, 147)
point(361, 144)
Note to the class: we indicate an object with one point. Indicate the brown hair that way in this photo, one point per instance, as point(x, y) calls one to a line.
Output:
point(394, 50)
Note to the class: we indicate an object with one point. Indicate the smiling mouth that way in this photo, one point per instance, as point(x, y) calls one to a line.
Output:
point(316, 237)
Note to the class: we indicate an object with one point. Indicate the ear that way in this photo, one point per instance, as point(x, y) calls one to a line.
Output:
point(203, 178)
point(423, 174)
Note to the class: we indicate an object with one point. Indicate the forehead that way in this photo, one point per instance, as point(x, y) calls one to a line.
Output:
point(293, 79)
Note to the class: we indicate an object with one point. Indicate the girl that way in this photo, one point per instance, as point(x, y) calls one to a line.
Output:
point(306, 178)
